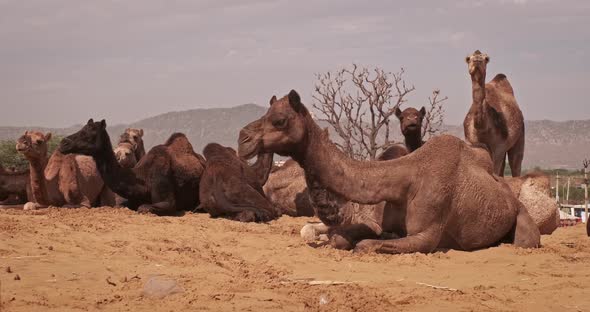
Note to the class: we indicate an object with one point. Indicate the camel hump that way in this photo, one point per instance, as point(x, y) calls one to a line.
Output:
point(501, 82)
point(179, 143)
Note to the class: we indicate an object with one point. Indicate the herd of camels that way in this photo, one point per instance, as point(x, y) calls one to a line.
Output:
point(417, 197)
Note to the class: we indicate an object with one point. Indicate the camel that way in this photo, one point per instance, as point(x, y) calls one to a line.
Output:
point(164, 182)
point(125, 153)
point(60, 180)
point(410, 121)
point(15, 187)
point(494, 118)
point(134, 136)
point(231, 188)
point(444, 195)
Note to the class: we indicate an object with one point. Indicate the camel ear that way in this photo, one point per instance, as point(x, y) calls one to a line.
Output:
point(487, 59)
point(90, 121)
point(467, 59)
point(47, 136)
point(398, 113)
point(273, 99)
point(295, 101)
point(26, 132)
point(141, 132)
point(422, 112)
point(103, 124)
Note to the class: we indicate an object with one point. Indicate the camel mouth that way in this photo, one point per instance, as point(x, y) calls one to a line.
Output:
point(65, 146)
point(248, 150)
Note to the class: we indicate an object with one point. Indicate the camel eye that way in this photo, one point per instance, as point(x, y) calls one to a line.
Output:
point(279, 123)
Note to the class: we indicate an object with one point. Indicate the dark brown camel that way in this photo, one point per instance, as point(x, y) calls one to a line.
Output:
point(15, 187)
point(164, 182)
point(494, 118)
point(410, 122)
point(231, 188)
point(444, 195)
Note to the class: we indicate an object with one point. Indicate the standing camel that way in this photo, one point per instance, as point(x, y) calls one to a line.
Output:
point(444, 195)
point(494, 118)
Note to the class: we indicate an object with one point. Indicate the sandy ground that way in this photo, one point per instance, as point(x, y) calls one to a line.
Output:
point(100, 259)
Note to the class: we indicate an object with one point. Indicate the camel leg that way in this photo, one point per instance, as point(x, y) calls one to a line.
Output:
point(515, 156)
point(423, 242)
point(163, 200)
point(499, 161)
point(346, 236)
point(249, 199)
point(526, 232)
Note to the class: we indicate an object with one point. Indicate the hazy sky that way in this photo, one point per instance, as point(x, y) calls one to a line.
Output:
point(64, 61)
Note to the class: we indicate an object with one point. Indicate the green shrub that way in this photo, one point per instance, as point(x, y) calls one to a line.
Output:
point(9, 157)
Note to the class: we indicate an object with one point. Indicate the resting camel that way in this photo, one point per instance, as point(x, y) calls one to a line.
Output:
point(444, 195)
point(231, 188)
point(60, 180)
point(134, 137)
point(164, 182)
point(533, 190)
point(494, 118)
point(125, 153)
point(15, 187)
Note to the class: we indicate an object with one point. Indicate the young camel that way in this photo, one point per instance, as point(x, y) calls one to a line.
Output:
point(164, 182)
point(60, 180)
point(231, 188)
point(444, 195)
point(494, 118)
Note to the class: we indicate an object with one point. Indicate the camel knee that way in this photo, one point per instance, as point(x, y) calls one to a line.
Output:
point(340, 242)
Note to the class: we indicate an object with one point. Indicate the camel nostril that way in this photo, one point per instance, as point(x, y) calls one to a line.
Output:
point(245, 139)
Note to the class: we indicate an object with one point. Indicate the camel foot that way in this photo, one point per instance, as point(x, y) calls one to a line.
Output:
point(339, 242)
point(245, 216)
point(144, 209)
point(367, 246)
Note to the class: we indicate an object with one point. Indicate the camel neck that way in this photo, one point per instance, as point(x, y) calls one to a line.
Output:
point(262, 167)
point(38, 184)
point(478, 90)
point(413, 141)
point(122, 181)
point(365, 182)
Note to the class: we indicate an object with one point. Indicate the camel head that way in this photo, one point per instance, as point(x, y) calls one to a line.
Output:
point(88, 141)
point(410, 120)
point(33, 144)
point(133, 136)
point(125, 155)
point(477, 62)
point(281, 130)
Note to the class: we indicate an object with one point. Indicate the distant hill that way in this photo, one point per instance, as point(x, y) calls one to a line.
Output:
point(549, 144)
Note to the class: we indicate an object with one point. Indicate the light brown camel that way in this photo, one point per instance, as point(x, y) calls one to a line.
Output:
point(125, 153)
point(164, 182)
point(494, 118)
point(15, 187)
point(60, 180)
point(444, 195)
point(134, 136)
point(231, 188)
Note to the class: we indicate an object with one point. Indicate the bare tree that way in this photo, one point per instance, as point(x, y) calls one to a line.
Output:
point(358, 103)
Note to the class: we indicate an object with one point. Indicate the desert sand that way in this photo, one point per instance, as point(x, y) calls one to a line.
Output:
point(100, 259)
